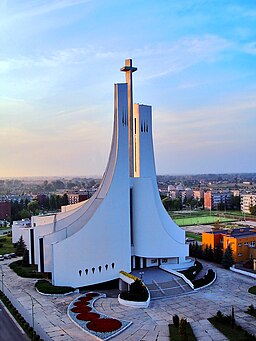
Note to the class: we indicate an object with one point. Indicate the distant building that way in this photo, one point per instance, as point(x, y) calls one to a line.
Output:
point(198, 194)
point(247, 201)
point(215, 200)
point(21, 228)
point(235, 192)
point(5, 210)
point(242, 242)
point(75, 197)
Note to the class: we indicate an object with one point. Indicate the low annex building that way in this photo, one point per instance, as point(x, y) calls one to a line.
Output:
point(241, 240)
point(124, 225)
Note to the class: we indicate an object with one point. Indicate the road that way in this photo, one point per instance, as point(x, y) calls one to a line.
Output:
point(8, 329)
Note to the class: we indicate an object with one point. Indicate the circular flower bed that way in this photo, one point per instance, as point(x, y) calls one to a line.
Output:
point(82, 312)
point(104, 325)
point(87, 316)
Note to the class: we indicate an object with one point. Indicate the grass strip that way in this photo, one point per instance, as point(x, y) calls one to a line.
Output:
point(176, 336)
point(233, 334)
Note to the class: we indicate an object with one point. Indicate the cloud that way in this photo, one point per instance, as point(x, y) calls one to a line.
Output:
point(165, 58)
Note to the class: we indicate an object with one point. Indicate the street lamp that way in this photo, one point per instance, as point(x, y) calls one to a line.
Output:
point(2, 278)
point(33, 314)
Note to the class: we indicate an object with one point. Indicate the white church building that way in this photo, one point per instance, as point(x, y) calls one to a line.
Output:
point(124, 225)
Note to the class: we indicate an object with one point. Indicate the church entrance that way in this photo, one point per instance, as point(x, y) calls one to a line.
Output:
point(137, 262)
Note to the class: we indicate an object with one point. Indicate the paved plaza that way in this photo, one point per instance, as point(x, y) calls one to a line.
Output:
point(148, 324)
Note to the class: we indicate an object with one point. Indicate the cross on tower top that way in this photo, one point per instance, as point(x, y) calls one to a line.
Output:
point(128, 66)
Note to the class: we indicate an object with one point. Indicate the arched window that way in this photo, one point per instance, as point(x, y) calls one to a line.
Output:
point(113, 265)
point(80, 272)
point(93, 270)
point(100, 268)
point(106, 266)
point(86, 271)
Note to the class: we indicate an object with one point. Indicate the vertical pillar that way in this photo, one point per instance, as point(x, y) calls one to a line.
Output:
point(129, 69)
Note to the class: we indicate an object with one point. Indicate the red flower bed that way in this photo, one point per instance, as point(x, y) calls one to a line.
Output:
point(87, 316)
point(104, 325)
point(81, 310)
point(84, 299)
point(81, 304)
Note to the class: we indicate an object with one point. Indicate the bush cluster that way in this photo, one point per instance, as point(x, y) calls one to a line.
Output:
point(181, 330)
point(19, 318)
point(251, 310)
point(26, 273)
point(46, 287)
point(208, 278)
point(229, 320)
point(191, 272)
point(138, 292)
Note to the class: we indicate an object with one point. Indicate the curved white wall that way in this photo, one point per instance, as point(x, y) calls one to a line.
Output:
point(155, 234)
point(104, 239)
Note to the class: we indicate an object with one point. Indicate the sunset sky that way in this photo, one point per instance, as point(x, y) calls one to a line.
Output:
point(59, 60)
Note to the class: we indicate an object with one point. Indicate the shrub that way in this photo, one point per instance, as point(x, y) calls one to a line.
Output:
point(176, 320)
point(46, 287)
point(208, 278)
point(191, 272)
point(138, 292)
point(182, 326)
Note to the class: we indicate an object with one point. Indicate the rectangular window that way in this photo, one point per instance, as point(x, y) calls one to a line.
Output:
point(153, 261)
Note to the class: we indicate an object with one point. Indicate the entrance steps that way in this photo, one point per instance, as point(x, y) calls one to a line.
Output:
point(174, 287)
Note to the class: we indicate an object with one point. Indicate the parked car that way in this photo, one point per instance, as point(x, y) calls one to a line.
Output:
point(1, 257)
point(12, 255)
point(7, 256)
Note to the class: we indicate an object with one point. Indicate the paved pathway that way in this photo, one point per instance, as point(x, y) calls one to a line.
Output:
point(148, 324)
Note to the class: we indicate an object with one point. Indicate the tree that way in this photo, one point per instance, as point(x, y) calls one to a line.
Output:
point(64, 200)
point(228, 260)
point(20, 247)
point(53, 203)
point(25, 259)
point(33, 206)
point(253, 210)
point(218, 254)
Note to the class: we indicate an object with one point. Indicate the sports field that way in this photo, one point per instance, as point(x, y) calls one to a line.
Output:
point(201, 220)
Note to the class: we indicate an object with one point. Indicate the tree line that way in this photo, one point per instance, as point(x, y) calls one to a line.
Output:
point(212, 255)
point(25, 208)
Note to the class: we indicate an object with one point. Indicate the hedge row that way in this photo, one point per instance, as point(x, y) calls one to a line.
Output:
point(46, 287)
point(19, 318)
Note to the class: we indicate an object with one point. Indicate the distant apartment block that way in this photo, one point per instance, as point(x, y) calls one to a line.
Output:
point(247, 201)
point(215, 200)
point(75, 197)
point(198, 194)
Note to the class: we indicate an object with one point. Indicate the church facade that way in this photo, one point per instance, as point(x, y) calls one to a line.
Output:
point(124, 225)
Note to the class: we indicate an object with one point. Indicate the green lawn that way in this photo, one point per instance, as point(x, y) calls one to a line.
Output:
point(195, 236)
point(210, 219)
point(7, 246)
point(175, 335)
point(252, 290)
point(235, 334)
